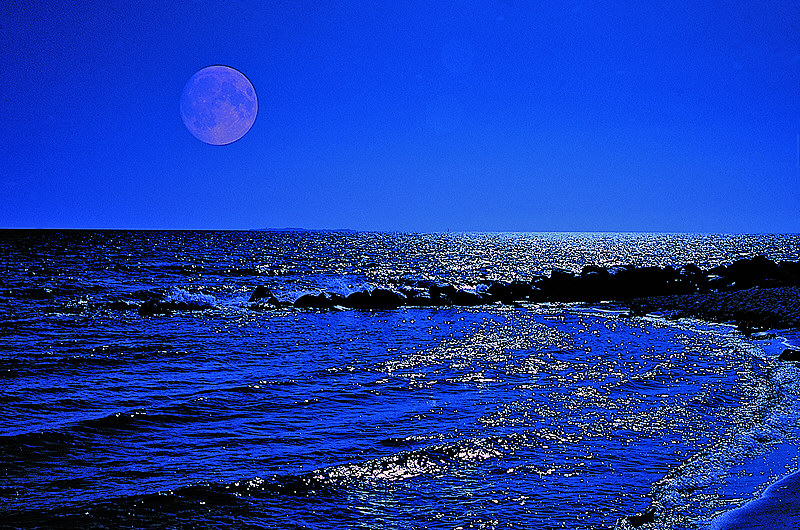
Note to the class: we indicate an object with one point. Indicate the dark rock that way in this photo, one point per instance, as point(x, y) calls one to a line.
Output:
point(691, 270)
point(318, 301)
point(466, 298)
point(262, 291)
point(442, 295)
point(633, 282)
point(789, 272)
point(386, 299)
point(691, 278)
point(505, 292)
point(33, 293)
point(497, 291)
point(595, 283)
point(519, 290)
point(420, 300)
point(269, 303)
point(615, 270)
point(563, 286)
point(145, 294)
point(119, 305)
point(719, 283)
point(749, 272)
point(595, 271)
point(640, 520)
point(789, 355)
point(152, 308)
point(274, 301)
point(358, 300)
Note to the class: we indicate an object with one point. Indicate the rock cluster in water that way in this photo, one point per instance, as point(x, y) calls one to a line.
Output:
point(592, 284)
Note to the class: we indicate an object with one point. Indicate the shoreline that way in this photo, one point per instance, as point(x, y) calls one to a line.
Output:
point(777, 507)
point(751, 310)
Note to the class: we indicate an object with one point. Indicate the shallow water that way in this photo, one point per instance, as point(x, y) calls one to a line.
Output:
point(550, 416)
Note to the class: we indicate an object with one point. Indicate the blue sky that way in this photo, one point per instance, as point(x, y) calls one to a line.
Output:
point(412, 116)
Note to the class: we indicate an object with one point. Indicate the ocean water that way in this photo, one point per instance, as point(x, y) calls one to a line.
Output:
point(238, 416)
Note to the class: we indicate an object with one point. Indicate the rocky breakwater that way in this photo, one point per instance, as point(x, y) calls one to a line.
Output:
point(642, 289)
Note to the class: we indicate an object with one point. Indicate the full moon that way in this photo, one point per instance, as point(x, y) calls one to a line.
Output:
point(218, 105)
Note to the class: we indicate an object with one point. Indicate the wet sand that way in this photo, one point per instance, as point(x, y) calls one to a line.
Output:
point(777, 508)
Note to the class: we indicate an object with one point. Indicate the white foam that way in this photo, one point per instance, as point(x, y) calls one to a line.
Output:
point(178, 295)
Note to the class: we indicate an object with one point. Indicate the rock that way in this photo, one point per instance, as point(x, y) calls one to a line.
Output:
point(33, 293)
point(119, 305)
point(789, 272)
point(640, 520)
point(691, 278)
point(442, 295)
point(789, 355)
point(152, 308)
point(274, 301)
point(357, 300)
point(269, 303)
point(318, 301)
point(563, 286)
point(420, 300)
point(466, 298)
point(386, 299)
point(595, 283)
point(595, 271)
point(749, 272)
point(691, 270)
point(497, 291)
point(632, 282)
point(519, 290)
point(262, 291)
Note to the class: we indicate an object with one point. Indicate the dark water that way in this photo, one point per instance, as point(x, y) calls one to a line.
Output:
point(549, 416)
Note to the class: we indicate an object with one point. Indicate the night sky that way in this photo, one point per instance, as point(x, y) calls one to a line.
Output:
point(421, 115)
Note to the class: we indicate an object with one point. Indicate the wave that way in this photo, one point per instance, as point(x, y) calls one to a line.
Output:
point(232, 502)
point(714, 480)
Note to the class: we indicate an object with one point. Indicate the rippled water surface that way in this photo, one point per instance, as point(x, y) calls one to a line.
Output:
point(549, 416)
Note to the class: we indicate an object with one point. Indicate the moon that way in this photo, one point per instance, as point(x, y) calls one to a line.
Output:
point(218, 105)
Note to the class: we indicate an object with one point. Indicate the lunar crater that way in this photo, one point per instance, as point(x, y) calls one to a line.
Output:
point(218, 105)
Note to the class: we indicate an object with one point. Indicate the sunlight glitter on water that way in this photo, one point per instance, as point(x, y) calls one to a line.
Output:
point(415, 418)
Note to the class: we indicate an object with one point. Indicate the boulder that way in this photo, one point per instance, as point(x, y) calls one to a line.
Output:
point(647, 517)
point(386, 299)
point(32, 293)
point(595, 283)
point(563, 286)
point(442, 295)
point(595, 271)
point(636, 282)
point(749, 272)
point(692, 278)
point(789, 272)
point(466, 298)
point(691, 270)
point(269, 303)
point(152, 308)
point(262, 291)
point(789, 355)
point(420, 300)
point(358, 300)
point(318, 301)
point(119, 305)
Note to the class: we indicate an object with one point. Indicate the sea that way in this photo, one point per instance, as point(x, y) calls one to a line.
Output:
point(236, 415)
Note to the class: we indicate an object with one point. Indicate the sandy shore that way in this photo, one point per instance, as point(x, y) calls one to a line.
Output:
point(777, 508)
